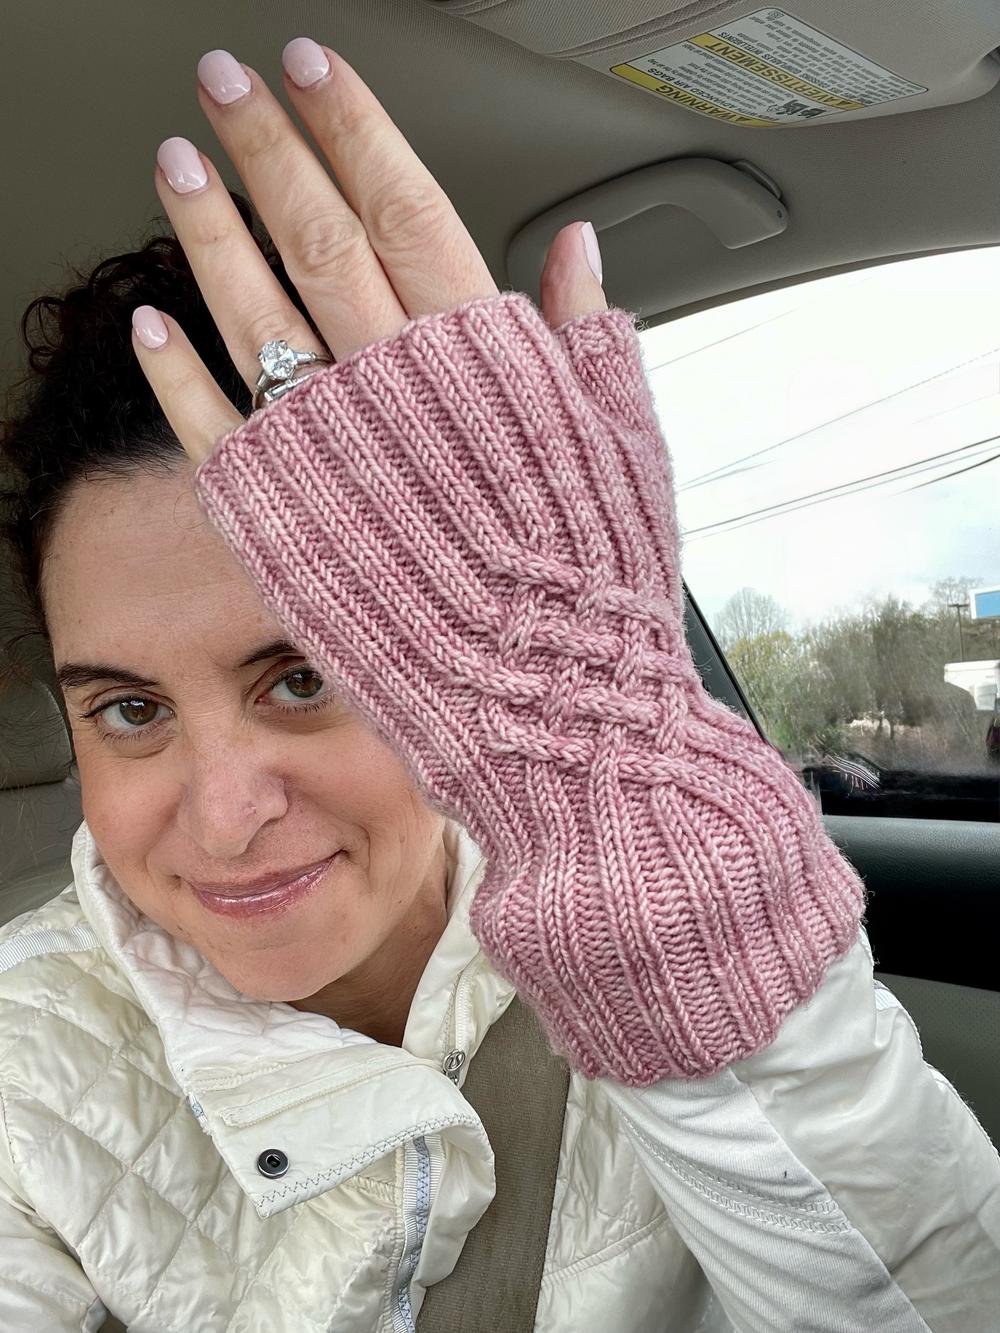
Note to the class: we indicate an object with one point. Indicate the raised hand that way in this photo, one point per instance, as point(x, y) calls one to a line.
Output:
point(386, 247)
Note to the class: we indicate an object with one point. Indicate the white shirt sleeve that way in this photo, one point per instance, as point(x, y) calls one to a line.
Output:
point(834, 1182)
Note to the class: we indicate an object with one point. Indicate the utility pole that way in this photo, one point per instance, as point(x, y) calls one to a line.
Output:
point(958, 608)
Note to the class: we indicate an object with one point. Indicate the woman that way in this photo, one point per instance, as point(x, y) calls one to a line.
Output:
point(408, 721)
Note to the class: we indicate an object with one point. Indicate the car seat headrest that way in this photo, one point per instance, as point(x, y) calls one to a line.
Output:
point(34, 745)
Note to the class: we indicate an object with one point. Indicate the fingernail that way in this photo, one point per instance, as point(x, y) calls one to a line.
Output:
point(593, 250)
point(304, 61)
point(149, 326)
point(180, 163)
point(223, 77)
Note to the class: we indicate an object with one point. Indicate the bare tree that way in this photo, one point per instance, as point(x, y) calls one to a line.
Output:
point(969, 639)
point(747, 615)
point(946, 592)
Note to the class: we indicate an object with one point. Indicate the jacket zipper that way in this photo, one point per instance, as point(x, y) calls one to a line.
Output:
point(416, 1210)
point(455, 1022)
point(418, 1170)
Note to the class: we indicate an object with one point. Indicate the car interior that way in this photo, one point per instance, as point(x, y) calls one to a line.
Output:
point(723, 151)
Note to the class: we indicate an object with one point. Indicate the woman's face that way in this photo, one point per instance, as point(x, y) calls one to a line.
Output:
point(212, 755)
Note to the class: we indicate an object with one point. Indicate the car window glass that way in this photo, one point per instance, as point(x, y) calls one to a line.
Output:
point(836, 448)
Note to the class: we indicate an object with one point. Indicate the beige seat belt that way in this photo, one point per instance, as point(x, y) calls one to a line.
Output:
point(518, 1088)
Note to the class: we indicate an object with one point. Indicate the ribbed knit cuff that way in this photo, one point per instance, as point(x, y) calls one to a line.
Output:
point(471, 527)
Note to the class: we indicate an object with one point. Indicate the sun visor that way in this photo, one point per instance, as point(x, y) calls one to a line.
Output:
point(809, 62)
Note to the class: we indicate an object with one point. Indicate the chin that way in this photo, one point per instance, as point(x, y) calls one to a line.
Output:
point(286, 987)
point(278, 991)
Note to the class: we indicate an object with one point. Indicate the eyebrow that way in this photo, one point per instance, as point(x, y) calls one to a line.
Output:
point(71, 675)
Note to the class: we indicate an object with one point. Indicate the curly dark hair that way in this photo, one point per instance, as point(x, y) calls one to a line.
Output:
point(84, 408)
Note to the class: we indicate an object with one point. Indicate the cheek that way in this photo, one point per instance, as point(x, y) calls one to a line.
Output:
point(124, 811)
point(360, 781)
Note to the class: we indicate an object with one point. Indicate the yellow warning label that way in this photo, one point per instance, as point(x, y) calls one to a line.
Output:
point(684, 98)
point(764, 69)
point(748, 61)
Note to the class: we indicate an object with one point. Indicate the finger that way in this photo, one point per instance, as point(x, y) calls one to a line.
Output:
point(321, 240)
point(423, 245)
point(244, 297)
point(571, 278)
point(196, 409)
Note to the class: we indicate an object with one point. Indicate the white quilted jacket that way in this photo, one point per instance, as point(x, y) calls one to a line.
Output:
point(833, 1183)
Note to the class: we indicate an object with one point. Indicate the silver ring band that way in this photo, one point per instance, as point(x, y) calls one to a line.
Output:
point(280, 364)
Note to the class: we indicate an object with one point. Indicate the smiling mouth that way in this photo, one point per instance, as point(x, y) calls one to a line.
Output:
point(262, 900)
point(262, 888)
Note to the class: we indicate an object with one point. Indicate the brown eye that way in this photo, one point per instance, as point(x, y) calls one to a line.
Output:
point(137, 712)
point(129, 717)
point(303, 685)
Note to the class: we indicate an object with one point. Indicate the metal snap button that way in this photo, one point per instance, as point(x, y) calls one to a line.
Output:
point(272, 1163)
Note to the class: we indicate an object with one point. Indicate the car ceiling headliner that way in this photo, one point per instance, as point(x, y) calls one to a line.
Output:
point(91, 89)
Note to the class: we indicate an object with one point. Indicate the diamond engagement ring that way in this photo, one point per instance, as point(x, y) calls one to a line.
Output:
point(280, 362)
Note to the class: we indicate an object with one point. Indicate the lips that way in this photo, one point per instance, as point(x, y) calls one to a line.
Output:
point(248, 888)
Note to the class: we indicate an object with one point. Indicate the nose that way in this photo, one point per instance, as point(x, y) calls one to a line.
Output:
point(230, 793)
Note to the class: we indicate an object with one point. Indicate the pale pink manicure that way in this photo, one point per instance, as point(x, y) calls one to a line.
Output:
point(180, 163)
point(593, 250)
point(223, 77)
point(304, 61)
point(149, 326)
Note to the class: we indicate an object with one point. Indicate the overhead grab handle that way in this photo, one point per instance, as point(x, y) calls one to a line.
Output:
point(734, 205)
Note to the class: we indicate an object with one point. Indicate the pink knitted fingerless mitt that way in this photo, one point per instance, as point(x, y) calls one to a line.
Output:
point(471, 527)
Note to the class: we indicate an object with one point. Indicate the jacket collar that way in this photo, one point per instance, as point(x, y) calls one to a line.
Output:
point(254, 1071)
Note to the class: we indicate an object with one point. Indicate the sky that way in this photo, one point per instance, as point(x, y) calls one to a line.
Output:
point(828, 383)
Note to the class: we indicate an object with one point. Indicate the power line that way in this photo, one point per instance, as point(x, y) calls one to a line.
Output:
point(861, 485)
point(721, 472)
point(839, 491)
point(982, 462)
point(889, 472)
point(772, 319)
point(955, 407)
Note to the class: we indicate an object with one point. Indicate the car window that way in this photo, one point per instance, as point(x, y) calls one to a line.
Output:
point(836, 449)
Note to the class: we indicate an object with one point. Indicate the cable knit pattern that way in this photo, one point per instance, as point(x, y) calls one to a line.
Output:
point(471, 527)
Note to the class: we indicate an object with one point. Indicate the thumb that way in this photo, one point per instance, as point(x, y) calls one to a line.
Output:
point(571, 278)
